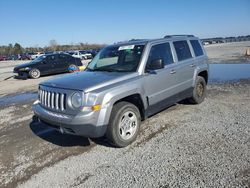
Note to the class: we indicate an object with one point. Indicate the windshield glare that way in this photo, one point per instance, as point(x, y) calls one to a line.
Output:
point(40, 58)
point(117, 59)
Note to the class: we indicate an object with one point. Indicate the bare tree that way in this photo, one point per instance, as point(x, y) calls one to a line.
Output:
point(53, 44)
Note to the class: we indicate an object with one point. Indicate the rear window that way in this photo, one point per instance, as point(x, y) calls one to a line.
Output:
point(197, 47)
point(182, 50)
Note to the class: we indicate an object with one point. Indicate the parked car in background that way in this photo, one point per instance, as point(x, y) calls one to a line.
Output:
point(13, 57)
point(36, 55)
point(87, 54)
point(25, 56)
point(47, 64)
point(3, 58)
point(82, 54)
point(93, 52)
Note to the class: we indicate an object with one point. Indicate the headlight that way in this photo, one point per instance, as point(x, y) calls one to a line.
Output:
point(76, 100)
point(24, 69)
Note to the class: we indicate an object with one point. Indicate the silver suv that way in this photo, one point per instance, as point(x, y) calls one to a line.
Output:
point(124, 84)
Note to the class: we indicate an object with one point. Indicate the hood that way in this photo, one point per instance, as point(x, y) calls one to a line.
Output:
point(86, 80)
point(23, 65)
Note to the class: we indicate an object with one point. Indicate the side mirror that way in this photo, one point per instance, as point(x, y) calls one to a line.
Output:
point(155, 64)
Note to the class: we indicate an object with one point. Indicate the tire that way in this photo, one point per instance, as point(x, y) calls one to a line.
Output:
point(73, 68)
point(199, 92)
point(34, 73)
point(23, 76)
point(120, 133)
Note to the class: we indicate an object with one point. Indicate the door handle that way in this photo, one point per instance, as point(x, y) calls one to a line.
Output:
point(192, 65)
point(172, 71)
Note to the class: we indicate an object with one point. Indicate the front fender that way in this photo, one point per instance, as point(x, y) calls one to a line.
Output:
point(116, 94)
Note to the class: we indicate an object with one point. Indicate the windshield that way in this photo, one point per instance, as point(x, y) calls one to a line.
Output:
point(40, 58)
point(117, 59)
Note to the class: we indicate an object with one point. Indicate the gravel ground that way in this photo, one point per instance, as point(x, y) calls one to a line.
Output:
point(204, 145)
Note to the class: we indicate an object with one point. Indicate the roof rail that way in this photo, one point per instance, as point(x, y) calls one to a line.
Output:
point(169, 36)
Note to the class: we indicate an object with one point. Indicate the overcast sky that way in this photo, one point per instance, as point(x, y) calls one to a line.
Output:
point(36, 22)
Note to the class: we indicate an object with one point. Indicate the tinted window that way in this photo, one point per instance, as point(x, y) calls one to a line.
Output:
point(182, 50)
point(63, 56)
point(51, 58)
point(161, 51)
point(197, 47)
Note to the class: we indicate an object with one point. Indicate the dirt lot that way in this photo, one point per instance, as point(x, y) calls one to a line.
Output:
point(228, 52)
point(205, 145)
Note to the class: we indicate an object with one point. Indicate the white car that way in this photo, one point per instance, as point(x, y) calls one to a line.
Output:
point(36, 55)
point(82, 54)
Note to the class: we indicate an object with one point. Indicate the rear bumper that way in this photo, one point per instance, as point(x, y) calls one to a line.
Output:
point(82, 124)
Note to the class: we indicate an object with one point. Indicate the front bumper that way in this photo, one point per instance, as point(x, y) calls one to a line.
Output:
point(87, 125)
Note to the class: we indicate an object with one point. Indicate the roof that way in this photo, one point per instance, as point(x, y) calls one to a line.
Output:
point(145, 41)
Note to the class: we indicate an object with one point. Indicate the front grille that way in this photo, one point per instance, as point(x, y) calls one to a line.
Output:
point(53, 100)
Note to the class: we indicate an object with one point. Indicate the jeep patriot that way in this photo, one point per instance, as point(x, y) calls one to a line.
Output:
point(124, 84)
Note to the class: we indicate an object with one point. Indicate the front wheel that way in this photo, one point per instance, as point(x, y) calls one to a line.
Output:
point(199, 92)
point(124, 124)
point(34, 73)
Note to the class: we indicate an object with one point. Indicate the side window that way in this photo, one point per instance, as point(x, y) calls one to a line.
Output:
point(197, 47)
point(62, 57)
point(182, 50)
point(161, 51)
point(51, 58)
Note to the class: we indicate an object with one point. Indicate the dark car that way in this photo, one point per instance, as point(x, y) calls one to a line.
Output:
point(24, 57)
point(47, 64)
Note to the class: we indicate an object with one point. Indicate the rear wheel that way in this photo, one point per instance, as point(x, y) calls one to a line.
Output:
point(73, 68)
point(199, 92)
point(124, 124)
point(34, 73)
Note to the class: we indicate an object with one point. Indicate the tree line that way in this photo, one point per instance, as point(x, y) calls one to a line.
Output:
point(53, 46)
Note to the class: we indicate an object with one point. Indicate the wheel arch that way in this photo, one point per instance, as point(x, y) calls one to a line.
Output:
point(204, 74)
point(136, 100)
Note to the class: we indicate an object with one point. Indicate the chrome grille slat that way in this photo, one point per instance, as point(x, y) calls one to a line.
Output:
point(43, 97)
point(48, 99)
point(57, 99)
point(45, 100)
point(53, 100)
point(62, 102)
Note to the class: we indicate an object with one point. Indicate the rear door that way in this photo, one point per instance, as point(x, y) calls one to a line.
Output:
point(63, 62)
point(51, 61)
point(185, 65)
point(160, 84)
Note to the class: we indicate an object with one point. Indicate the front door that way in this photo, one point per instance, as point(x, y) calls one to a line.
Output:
point(160, 85)
point(52, 64)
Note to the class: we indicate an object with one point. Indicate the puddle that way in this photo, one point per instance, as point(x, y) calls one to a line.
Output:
point(228, 72)
point(217, 73)
point(20, 98)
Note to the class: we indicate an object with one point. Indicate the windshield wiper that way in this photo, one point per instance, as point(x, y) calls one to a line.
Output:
point(103, 69)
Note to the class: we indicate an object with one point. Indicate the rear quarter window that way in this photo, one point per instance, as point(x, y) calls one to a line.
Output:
point(182, 50)
point(196, 47)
